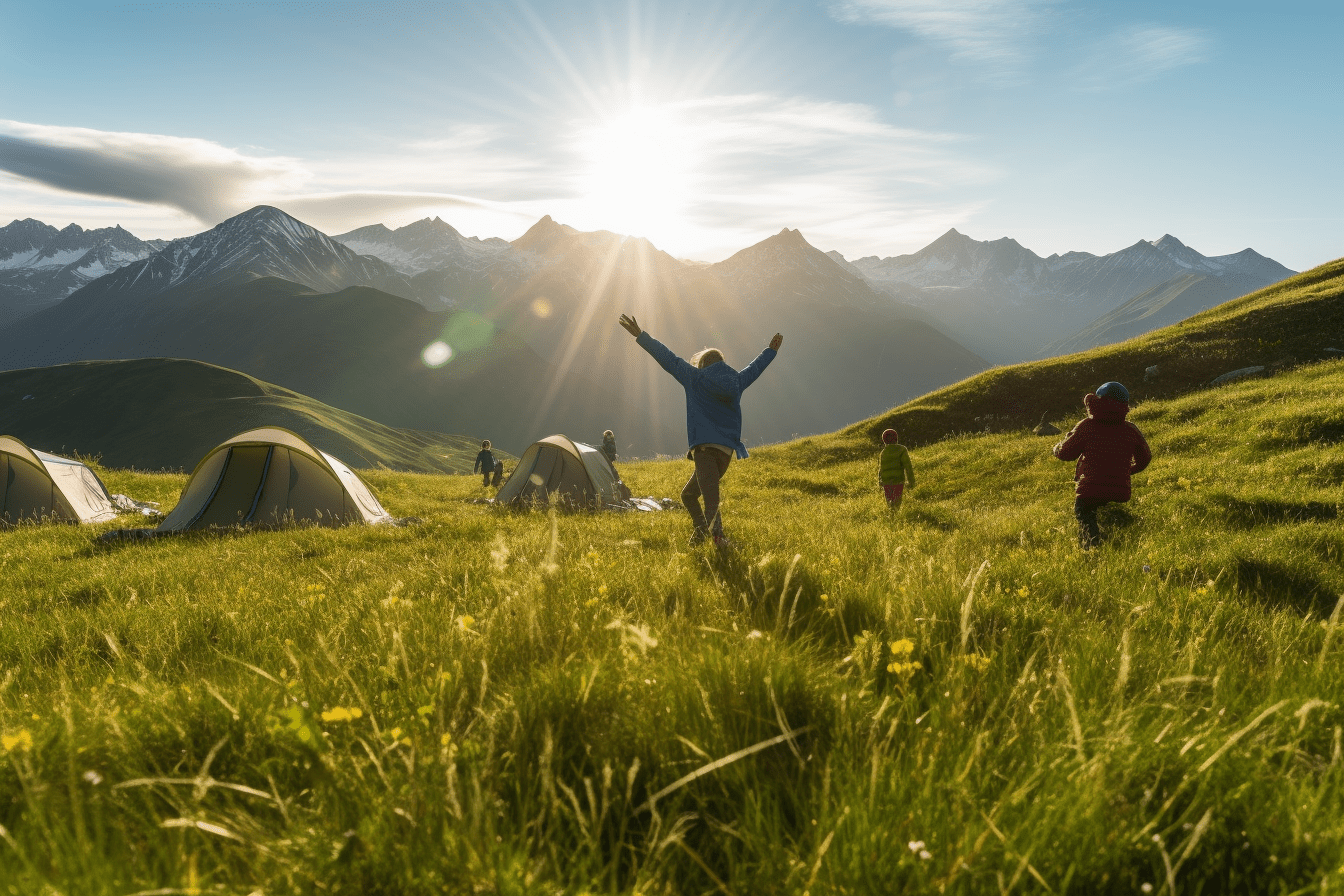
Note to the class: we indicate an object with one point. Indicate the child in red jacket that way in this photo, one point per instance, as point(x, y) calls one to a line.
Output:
point(1109, 450)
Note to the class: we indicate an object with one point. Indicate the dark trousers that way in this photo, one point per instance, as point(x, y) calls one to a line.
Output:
point(710, 465)
point(1085, 509)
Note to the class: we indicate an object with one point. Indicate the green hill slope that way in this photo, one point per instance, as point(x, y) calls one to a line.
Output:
point(158, 413)
point(1288, 323)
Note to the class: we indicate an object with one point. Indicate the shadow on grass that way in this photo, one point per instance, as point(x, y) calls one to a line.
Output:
point(1280, 585)
point(807, 486)
point(783, 596)
point(1259, 511)
point(923, 515)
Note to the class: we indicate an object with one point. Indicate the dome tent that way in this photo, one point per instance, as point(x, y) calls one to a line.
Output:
point(35, 485)
point(268, 476)
point(558, 466)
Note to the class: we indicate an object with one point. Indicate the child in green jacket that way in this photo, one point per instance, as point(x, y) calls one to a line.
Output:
point(895, 471)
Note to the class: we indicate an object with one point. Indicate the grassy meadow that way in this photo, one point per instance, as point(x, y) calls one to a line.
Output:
point(953, 699)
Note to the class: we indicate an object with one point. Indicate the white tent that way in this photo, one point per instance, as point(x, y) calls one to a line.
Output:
point(35, 485)
point(557, 467)
point(269, 476)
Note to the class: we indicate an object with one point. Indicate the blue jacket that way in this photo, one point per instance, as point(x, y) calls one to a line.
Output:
point(713, 395)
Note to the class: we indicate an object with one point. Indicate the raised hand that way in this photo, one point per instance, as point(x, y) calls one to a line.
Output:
point(777, 341)
point(631, 325)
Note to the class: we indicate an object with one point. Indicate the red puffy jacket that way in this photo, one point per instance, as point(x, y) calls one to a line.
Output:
point(1108, 448)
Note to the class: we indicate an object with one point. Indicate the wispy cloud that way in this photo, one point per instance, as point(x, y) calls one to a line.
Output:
point(835, 170)
point(203, 179)
point(753, 163)
point(1141, 53)
point(991, 33)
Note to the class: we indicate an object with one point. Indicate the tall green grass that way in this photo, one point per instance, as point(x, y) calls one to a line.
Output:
point(954, 698)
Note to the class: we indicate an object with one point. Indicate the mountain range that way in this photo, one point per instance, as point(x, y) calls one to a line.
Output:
point(1008, 303)
point(423, 328)
point(40, 265)
point(532, 342)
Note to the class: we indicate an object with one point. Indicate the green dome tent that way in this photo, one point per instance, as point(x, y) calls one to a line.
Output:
point(557, 467)
point(268, 476)
point(35, 485)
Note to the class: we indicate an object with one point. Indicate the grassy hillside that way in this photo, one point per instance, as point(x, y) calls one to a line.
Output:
point(1280, 326)
point(160, 413)
point(955, 699)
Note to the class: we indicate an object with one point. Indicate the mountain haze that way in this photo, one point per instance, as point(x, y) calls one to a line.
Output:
point(1009, 303)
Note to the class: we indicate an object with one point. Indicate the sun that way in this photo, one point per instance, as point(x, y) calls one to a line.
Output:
point(638, 173)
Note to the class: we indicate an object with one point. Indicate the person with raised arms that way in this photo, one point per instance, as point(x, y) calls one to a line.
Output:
point(713, 420)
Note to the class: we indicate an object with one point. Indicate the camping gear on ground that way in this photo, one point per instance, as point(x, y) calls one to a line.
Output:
point(498, 476)
point(267, 477)
point(35, 485)
point(558, 469)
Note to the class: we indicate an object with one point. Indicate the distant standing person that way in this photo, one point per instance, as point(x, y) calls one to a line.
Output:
point(1109, 450)
point(485, 463)
point(609, 445)
point(713, 420)
point(895, 471)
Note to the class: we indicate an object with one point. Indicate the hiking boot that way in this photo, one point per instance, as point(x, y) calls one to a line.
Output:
point(722, 543)
point(698, 537)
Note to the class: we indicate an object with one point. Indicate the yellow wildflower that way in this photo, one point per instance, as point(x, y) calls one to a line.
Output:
point(977, 661)
point(342, 714)
point(19, 741)
point(903, 647)
point(1023, 591)
point(904, 669)
point(465, 622)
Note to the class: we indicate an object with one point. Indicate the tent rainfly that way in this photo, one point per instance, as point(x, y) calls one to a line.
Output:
point(35, 485)
point(268, 476)
point(569, 471)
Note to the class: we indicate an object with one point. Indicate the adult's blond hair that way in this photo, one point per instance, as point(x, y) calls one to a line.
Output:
point(706, 357)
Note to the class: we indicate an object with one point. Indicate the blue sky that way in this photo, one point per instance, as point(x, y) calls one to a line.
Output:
point(871, 125)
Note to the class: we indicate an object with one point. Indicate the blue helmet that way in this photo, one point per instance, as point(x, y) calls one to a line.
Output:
point(1113, 390)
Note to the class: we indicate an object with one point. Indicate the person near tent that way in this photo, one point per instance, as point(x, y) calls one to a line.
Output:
point(485, 464)
point(713, 420)
point(1109, 450)
point(894, 471)
point(609, 445)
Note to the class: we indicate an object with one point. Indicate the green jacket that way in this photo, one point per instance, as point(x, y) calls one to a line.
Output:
point(896, 466)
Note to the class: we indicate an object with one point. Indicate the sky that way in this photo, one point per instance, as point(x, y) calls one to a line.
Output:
point(872, 126)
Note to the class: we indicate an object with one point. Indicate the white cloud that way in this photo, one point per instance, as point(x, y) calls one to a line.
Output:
point(203, 179)
point(1141, 53)
point(834, 170)
point(753, 164)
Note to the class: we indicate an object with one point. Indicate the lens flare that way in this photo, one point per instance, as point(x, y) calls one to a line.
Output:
point(437, 353)
point(541, 307)
point(467, 331)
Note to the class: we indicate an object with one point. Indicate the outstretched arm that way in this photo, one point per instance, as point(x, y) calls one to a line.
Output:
point(680, 369)
point(753, 370)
